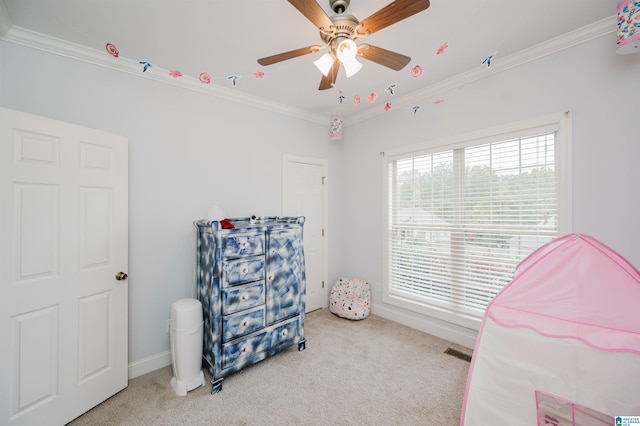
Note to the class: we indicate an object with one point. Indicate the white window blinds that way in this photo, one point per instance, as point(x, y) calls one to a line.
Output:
point(460, 220)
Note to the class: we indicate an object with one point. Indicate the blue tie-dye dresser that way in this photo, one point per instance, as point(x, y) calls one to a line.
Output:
point(251, 282)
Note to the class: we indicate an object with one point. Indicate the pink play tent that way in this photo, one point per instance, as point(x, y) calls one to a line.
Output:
point(560, 344)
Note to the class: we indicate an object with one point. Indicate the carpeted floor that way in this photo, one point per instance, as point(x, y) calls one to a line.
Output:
point(370, 372)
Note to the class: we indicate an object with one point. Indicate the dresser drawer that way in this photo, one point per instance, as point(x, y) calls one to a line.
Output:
point(239, 349)
point(242, 323)
point(238, 245)
point(243, 270)
point(283, 333)
point(241, 297)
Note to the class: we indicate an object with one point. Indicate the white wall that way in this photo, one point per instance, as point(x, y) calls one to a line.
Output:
point(601, 89)
point(187, 151)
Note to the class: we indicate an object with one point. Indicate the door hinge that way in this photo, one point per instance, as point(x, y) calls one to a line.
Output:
point(323, 178)
point(322, 284)
point(323, 232)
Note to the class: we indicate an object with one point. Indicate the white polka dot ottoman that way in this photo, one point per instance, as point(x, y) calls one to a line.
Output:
point(350, 298)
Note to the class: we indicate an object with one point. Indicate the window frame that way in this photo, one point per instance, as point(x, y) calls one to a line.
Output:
point(559, 122)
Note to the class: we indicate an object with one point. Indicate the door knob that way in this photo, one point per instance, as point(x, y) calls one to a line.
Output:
point(121, 276)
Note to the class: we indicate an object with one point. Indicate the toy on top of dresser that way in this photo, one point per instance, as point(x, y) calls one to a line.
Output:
point(251, 282)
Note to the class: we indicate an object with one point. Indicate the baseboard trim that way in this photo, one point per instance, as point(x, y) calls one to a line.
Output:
point(451, 332)
point(149, 364)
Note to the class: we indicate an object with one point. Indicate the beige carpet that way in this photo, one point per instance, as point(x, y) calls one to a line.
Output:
point(370, 372)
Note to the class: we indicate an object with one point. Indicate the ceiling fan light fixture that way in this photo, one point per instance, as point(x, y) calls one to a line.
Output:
point(346, 50)
point(324, 64)
point(351, 66)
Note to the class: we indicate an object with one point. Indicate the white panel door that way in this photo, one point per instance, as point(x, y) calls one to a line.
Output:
point(63, 239)
point(304, 194)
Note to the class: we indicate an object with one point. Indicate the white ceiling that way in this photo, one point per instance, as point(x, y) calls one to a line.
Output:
point(226, 38)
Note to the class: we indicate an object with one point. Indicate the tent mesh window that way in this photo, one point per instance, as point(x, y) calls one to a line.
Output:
point(553, 410)
point(460, 220)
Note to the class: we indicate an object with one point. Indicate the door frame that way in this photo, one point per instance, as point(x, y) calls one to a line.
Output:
point(288, 159)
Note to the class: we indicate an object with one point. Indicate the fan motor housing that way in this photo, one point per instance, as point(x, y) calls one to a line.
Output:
point(344, 25)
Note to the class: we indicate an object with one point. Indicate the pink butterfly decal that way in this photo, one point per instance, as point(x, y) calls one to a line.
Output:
point(442, 48)
point(439, 101)
point(356, 99)
point(387, 106)
point(416, 71)
point(258, 74)
point(175, 73)
point(205, 78)
point(372, 97)
point(113, 51)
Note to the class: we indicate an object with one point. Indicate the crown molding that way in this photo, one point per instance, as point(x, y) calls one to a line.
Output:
point(587, 33)
point(32, 39)
point(35, 40)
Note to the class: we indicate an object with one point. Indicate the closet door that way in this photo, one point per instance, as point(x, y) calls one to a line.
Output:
point(63, 259)
point(305, 193)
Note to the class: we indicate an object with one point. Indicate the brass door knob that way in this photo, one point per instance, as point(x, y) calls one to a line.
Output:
point(121, 276)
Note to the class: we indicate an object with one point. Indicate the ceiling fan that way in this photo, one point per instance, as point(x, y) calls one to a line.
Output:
point(339, 33)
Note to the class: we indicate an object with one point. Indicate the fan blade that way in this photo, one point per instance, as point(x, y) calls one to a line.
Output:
point(329, 80)
point(384, 57)
point(313, 12)
point(288, 55)
point(390, 14)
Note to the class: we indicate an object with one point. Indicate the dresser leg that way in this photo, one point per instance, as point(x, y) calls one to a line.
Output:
point(216, 385)
point(301, 345)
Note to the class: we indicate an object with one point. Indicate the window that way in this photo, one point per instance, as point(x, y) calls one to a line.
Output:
point(461, 218)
